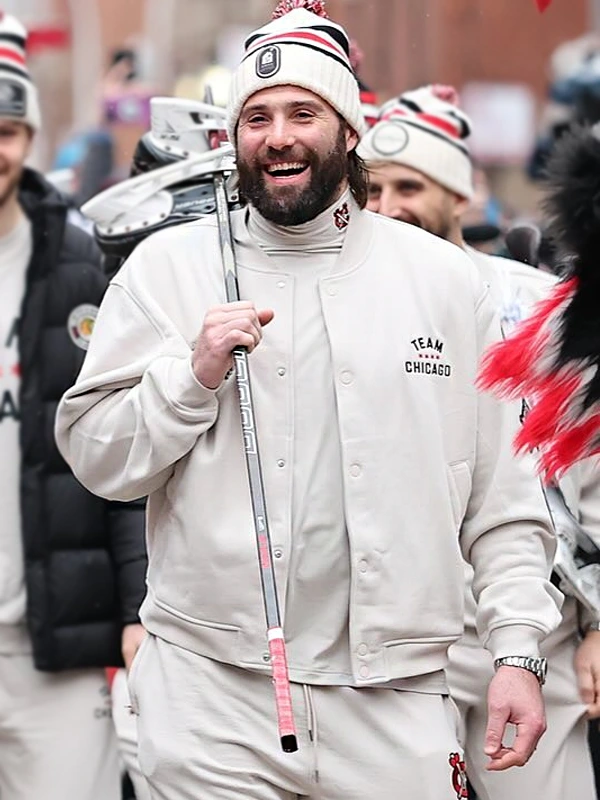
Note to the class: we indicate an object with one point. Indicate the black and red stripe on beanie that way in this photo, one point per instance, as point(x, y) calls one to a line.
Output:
point(18, 95)
point(301, 47)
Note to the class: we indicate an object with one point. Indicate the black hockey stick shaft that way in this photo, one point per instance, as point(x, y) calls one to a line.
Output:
point(276, 642)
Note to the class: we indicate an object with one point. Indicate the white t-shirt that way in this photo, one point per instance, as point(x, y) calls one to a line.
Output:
point(15, 254)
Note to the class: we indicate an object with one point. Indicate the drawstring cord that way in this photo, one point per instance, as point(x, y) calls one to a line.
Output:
point(313, 728)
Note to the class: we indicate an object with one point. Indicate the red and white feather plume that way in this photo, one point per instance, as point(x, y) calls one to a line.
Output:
point(553, 358)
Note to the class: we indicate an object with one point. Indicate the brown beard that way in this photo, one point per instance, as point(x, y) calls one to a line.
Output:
point(291, 206)
point(11, 189)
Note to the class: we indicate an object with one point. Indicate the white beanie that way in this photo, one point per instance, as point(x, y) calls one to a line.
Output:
point(300, 48)
point(421, 131)
point(18, 96)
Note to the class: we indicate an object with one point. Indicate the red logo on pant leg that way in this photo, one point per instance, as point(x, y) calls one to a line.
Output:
point(459, 775)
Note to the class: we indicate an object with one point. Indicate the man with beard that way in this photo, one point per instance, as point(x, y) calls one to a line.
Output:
point(71, 565)
point(371, 464)
point(419, 166)
point(420, 172)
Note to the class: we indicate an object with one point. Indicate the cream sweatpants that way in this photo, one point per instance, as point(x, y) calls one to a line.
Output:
point(126, 729)
point(57, 740)
point(207, 731)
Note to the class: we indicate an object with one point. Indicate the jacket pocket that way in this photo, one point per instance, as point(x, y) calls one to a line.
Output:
point(133, 672)
point(459, 481)
point(203, 623)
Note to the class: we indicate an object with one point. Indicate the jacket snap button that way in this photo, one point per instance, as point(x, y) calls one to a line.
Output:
point(355, 470)
point(346, 377)
point(281, 371)
point(364, 671)
point(281, 463)
point(363, 566)
point(266, 658)
point(363, 650)
point(278, 553)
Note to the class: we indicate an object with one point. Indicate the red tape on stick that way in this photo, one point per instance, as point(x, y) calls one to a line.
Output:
point(283, 697)
point(542, 4)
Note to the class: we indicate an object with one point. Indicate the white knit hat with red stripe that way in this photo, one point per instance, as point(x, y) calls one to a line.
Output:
point(18, 96)
point(300, 47)
point(422, 131)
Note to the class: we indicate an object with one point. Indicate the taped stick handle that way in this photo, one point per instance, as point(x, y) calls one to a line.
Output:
point(283, 695)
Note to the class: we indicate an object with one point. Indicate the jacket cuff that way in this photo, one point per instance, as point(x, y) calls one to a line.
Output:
point(189, 398)
point(514, 640)
point(586, 618)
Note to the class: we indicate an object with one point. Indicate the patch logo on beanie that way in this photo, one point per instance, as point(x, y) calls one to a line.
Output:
point(390, 138)
point(13, 101)
point(268, 61)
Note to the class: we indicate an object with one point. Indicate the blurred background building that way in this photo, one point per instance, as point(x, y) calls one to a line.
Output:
point(97, 62)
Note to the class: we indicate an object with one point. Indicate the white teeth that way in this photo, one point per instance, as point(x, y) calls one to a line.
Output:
point(288, 166)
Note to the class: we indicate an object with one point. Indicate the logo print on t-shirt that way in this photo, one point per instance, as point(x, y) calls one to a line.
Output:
point(9, 371)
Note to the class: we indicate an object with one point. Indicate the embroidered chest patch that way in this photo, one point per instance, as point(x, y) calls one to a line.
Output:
point(341, 217)
point(428, 357)
point(81, 324)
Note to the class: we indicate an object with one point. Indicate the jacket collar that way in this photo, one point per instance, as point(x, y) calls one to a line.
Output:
point(357, 243)
point(37, 194)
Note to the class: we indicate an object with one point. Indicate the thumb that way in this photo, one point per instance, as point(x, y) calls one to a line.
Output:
point(494, 733)
point(265, 316)
point(585, 679)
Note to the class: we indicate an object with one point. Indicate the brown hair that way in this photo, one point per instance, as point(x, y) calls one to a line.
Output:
point(358, 175)
point(358, 179)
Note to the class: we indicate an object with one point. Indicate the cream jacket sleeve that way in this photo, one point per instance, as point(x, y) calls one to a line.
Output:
point(136, 408)
point(507, 533)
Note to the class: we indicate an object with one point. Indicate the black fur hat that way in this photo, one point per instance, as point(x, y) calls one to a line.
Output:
point(572, 203)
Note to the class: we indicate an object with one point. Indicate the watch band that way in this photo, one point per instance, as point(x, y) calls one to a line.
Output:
point(537, 665)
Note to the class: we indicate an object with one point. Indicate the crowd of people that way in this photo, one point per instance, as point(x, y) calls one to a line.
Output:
point(430, 648)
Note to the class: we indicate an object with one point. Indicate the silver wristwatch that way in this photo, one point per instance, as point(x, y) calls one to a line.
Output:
point(594, 625)
point(539, 666)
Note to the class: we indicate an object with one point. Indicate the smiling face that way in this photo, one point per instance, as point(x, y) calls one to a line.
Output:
point(292, 154)
point(15, 145)
point(404, 193)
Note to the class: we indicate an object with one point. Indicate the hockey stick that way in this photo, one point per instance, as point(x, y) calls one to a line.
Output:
point(276, 642)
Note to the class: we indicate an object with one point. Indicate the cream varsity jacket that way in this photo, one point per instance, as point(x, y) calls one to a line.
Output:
point(428, 470)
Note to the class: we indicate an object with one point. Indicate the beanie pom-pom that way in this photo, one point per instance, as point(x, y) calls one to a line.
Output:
point(316, 7)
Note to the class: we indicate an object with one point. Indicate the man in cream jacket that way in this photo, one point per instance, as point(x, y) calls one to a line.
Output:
point(427, 181)
point(383, 468)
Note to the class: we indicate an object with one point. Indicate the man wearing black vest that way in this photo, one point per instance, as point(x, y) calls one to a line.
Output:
point(72, 566)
